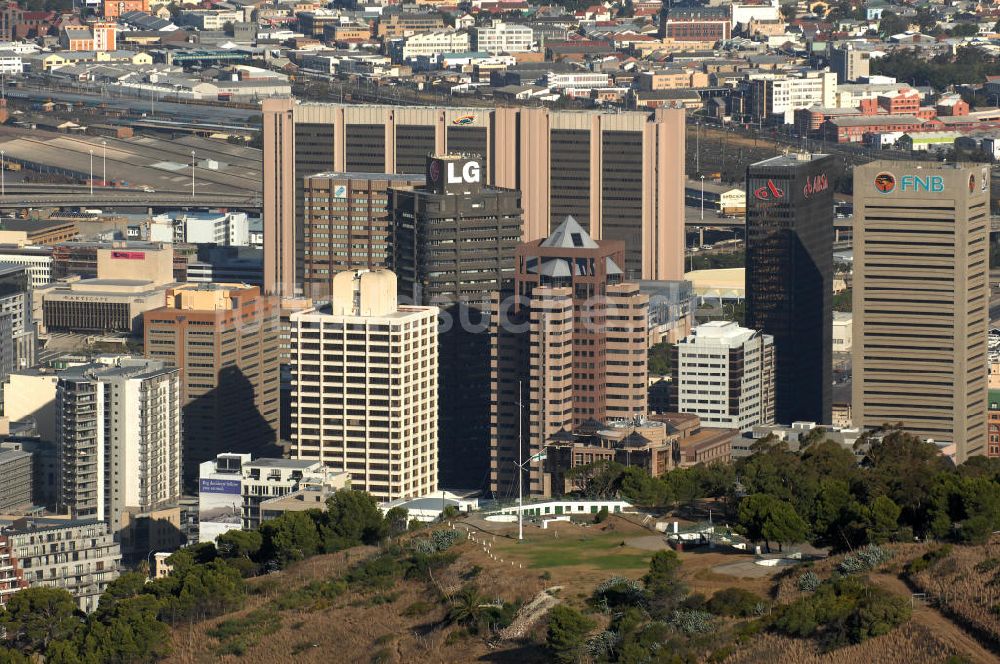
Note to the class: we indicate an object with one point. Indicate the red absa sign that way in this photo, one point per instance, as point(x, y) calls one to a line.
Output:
point(815, 184)
point(768, 192)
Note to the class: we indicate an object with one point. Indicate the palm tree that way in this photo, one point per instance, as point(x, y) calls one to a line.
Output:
point(466, 606)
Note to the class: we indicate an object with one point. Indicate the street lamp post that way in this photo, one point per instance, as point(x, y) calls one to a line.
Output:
point(192, 174)
point(104, 163)
point(91, 172)
point(522, 463)
point(697, 150)
point(703, 198)
point(3, 174)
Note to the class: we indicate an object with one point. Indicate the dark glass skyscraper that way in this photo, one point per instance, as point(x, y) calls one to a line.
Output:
point(789, 277)
point(453, 244)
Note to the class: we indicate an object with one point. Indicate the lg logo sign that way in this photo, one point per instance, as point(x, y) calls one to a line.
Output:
point(468, 172)
point(468, 175)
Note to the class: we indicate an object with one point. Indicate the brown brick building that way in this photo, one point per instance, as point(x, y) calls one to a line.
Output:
point(224, 339)
point(574, 340)
point(345, 225)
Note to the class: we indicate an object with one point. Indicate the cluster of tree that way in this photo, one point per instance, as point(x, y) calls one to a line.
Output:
point(902, 488)
point(718, 261)
point(842, 301)
point(995, 253)
point(656, 619)
point(131, 623)
point(967, 65)
point(660, 359)
point(841, 611)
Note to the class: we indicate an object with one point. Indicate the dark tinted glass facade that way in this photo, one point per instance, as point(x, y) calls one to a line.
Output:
point(413, 144)
point(313, 154)
point(457, 252)
point(570, 163)
point(365, 148)
point(467, 140)
point(789, 278)
point(621, 195)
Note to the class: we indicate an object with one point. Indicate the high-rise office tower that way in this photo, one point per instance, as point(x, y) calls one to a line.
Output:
point(365, 396)
point(620, 174)
point(789, 278)
point(921, 300)
point(224, 339)
point(454, 239)
point(571, 347)
point(118, 436)
point(453, 247)
point(345, 226)
point(724, 374)
point(20, 338)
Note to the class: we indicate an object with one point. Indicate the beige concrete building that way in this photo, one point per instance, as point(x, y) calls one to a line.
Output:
point(130, 281)
point(365, 387)
point(921, 300)
point(618, 174)
point(30, 394)
point(224, 338)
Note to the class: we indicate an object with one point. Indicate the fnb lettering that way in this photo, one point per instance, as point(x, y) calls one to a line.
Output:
point(915, 183)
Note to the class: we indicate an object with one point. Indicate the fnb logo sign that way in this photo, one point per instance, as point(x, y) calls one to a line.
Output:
point(886, 183)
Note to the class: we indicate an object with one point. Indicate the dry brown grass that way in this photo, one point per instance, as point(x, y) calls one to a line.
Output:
point(354, 629)
point(910, 644)
point(967, 588)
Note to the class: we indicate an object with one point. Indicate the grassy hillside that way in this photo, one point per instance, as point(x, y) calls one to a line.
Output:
point(399, 603)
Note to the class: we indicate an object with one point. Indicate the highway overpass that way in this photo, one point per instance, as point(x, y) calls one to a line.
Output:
point(20, 196)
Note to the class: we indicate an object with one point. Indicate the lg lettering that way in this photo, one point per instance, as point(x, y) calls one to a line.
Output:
point(469, 174)
point(931, 183)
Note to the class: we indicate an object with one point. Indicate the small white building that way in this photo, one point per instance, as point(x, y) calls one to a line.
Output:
point(11, 65)
point(232, 487)
point(503, 38)
point(231, 229)
point(842, 327)
point(433, 43)
point(583, 81)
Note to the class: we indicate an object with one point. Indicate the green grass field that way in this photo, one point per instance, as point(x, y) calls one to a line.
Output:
point(601, 551)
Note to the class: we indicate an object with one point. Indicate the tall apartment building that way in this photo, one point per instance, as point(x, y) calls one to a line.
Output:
point(789, 278)
point(404, 24)
point(224, 339)
point(365, 379)
point(345, 226)
point(921, 298)
point(15, 480)
point(453, 247)
point(618, 174)
point(78, 556)
point(37, 260)
point(724, 374)
point(118, 436)
point(571, 347)
point(16, 304)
